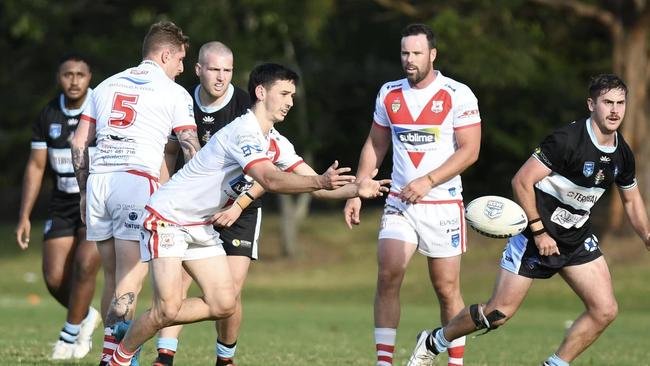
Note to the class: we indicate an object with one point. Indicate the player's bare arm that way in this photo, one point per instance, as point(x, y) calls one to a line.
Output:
point(523, 189)
point(469, 146)
point(31, 186)
point(80, 161)
point(636, 212)
point(365, 188)
point(168, 167)
point(372, 154)
point(189, 142)
point(275, 180)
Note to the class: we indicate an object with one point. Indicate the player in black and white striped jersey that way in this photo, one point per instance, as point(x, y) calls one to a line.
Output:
point(557, 187)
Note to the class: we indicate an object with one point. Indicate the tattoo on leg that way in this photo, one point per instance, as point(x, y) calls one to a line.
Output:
point(121, 309)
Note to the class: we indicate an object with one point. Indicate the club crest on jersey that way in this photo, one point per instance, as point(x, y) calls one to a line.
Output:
point(588, 169)
point(600, 177)
point(436, 106)
point(396, 105)
point(493, 209)
point(208, 120)
point(55, 130)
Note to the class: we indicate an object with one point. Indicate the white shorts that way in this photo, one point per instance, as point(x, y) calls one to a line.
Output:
point(436, 227)
point(161, 239)
point(115, 204)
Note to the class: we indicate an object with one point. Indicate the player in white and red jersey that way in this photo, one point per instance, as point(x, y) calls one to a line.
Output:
point(179, 232)
point(433, 123)
point(131, 115)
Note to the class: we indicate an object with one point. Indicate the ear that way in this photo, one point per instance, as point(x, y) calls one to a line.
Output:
point(197, 68)
point(165, 56)
point(433, 53)
point(591, 104)
point(260, 92)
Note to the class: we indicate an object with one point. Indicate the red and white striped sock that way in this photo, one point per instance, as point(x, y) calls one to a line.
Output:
point(385, 345)
point(121, 357)
point(456, 351)
point(110, 344)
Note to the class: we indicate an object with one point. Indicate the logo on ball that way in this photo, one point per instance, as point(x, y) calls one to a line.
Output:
point(493, 209)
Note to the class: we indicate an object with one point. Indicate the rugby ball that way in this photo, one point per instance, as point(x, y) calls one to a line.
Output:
point(495, 217)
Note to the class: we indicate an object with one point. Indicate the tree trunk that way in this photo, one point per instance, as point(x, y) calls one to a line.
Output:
point(630, 61)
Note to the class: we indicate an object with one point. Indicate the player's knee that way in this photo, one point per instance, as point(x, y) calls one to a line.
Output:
point(447, 292)
point(85, 271)
point(223, 307)
point(53, 279)
point(165, 313)
point(389, 277)
point(604, 314)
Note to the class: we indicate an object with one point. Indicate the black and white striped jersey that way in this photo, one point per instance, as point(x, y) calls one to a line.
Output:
point(581, 172)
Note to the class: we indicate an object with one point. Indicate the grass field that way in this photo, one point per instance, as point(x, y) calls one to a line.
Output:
point(317, 309)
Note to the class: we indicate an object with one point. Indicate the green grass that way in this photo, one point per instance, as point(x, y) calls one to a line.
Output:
point(317, 309)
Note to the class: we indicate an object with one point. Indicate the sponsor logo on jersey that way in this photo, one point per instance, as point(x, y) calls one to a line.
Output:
point(581, 198)
point(136, 81)
point(72, 121)
point(395, 105)
point(139, 72)
point(208, 120)
point(417, 137)
point(240, 184)
point(452, 191)
point(55, 130)
point(565, 218)
point(588, 169)
point(455, 240)
point(605, 159)
point(437, 106)
point(493, 209)
point(469, 113)
point(248, 149)
point(133, 215)
point(591, 243)
point(600, 177)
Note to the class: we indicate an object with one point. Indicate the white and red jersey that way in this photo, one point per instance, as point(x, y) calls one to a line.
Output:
point(423, 124)
point(135, 112)
point(216, 175)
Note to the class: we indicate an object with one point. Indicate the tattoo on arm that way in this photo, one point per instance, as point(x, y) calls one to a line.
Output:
point(121, 309)
point(80, 164)
point(189, 142)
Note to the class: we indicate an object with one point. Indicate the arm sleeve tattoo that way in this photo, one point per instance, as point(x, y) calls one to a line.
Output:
point(189, 142)
point(80, 164)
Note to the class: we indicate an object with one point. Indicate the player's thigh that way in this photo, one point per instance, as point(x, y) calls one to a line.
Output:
point(129, 270)
point(167, 280)
point(509, 292)
point(444, 272)
point(212, 275)
point(58, 254)
point(239, 266)
point(592, 282)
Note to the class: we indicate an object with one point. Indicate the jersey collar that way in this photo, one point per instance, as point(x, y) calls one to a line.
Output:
point(197, 99)
point(74, 112)
point(592, 136)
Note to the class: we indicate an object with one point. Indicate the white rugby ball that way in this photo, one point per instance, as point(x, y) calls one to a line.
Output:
point(495, 217)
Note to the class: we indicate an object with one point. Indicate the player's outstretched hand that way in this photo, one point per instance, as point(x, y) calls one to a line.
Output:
point(22, 233)
point(370, 188)
point(226, 217)
point(335, 177)
point(352, 212)
point(546, 245)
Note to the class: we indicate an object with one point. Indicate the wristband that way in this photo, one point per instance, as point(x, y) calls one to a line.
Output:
point(244, 200)
point(539, 232)
point(534, 220)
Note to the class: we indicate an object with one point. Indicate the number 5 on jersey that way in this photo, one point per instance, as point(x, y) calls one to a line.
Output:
point(123, 115)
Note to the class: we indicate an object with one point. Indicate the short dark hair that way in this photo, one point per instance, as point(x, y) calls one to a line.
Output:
point(418, 28)
point(601, 84)
point(74, 56)
point(266, 75)
point(164, 33)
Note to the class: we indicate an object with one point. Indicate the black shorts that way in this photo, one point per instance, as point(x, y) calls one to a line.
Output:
point(521, 256)
point(241, 239)
point(63, 220)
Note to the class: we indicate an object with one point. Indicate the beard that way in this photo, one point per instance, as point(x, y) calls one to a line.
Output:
point(418, 75)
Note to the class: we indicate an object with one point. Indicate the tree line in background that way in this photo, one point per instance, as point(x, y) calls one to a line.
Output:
point(528, 62)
